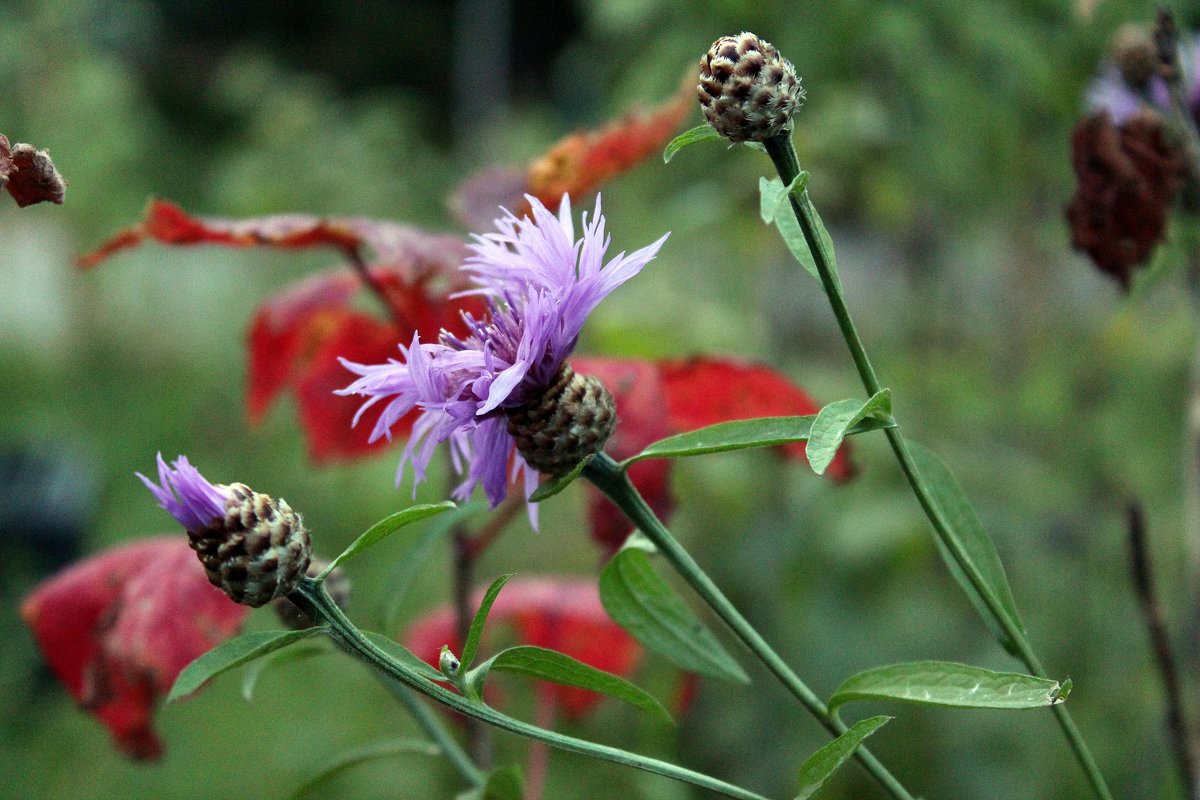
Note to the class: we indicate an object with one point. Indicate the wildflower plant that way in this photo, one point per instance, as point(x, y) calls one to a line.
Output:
point(487, 369)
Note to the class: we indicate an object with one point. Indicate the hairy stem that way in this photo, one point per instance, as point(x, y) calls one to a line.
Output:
point(609, 478)
point(312, 598)
point(783, 155)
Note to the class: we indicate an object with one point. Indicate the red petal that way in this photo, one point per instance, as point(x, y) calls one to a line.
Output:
point(117, 629)
point(638, 391)
point(326, 417)
point(704, 391)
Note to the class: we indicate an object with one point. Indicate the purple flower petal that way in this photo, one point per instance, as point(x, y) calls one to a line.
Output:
point(187, 495)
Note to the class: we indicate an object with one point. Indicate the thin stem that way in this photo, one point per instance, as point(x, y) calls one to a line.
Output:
point(609, 478)
point(784, 157)
point(537, 761)
point(312, 597)
point(359, 264)
point(1152, 614)
point(436, 731)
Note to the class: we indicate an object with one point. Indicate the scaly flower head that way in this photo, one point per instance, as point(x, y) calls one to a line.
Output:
point(539, 283)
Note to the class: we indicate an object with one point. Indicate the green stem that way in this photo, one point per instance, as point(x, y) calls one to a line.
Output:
point(316, 601)
point(607, 475)
point(436, 731)
point(784, 157)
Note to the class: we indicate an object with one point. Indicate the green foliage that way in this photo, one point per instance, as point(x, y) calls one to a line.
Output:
point(233, 653)
point(385, 528)
point(362, 755)
point(700, 133)
point(944, 683)
point(556, 485)
point(641, 602)
point(505, 783)
point(835, 420)
point(820, 766)
point(471, 645)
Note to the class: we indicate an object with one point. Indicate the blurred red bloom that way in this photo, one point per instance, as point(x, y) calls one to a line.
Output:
point(119, 627)
point(556, 613)
point(297, 335)
point(656, 399)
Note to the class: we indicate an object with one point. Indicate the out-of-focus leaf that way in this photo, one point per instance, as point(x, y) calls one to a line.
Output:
point(386, 527)
point(255, 669)
point(233, 653)
point(700, 133)
point(362, 755)
point(550, 665)
point(945, 683)
point(820, 766)
point(964, 526)
point(644, 604)
point(505, 783)
point(836, 419)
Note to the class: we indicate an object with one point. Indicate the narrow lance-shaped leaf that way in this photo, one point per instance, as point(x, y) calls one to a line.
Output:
point(742, 434)
point(233, 653)
point(556, 485)
point(700, 133)
point(945, 683)
point(363, 755)
point(471, 645)
point(775, 208)
point(834, 420)
point(386, 527)
point(964, 528)
point(821, 765)
point(556, 667)
point(642, 603)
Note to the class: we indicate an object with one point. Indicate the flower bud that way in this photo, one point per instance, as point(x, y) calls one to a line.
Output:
point(258, 551)
point(570, 421)
point(337, 584)
point(747, 90)
point(448, 663)
point(1136, 56)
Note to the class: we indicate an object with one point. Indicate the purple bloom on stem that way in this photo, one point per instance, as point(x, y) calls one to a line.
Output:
point(540, 284)
point(187, 495)
point(1110, 92)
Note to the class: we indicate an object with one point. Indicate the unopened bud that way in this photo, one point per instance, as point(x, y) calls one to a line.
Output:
point(570, 421)
point(337, 584)
point(1136, 56)
point(448, 663)
point(258, 551)
point(748, 91)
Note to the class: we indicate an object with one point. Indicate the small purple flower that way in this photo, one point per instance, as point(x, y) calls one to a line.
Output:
point(187, 495)
point(540, 284)
point(1110, 92)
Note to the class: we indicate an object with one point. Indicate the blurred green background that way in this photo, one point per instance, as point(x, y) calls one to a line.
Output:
point(936, 132)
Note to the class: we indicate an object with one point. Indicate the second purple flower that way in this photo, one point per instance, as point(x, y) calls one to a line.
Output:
point(540, 284)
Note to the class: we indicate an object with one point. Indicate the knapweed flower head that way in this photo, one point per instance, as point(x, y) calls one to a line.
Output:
point(748, 91)
point(253, 548)
point(540, 284)
point(1130, 84)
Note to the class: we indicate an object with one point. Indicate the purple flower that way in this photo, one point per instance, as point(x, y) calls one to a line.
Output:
point(540, 284)
point(187, 495)
point(1110, 92)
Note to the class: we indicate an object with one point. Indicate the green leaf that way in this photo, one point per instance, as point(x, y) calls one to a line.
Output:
point(641, 602)
point(254, 671)
point(556, 485)
point(829, 428)
point(550, 665)
point(700, 133)
point(821, 765)
point(406, 657)
point(945, 683)
point(362, 755)
point(233, 653)
point(471, 646)
point(386, 527)
point(774, 207)
point(744, 433)
point(964, 527)
point(505, 783)
point(409, 566)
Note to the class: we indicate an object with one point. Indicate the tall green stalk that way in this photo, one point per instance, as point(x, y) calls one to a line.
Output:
point(609, 478)
point(783, 155)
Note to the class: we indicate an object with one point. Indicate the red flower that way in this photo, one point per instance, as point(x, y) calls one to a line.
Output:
point(119, 627)
point(296, 336)
point(656, 399)
point(556, 613)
